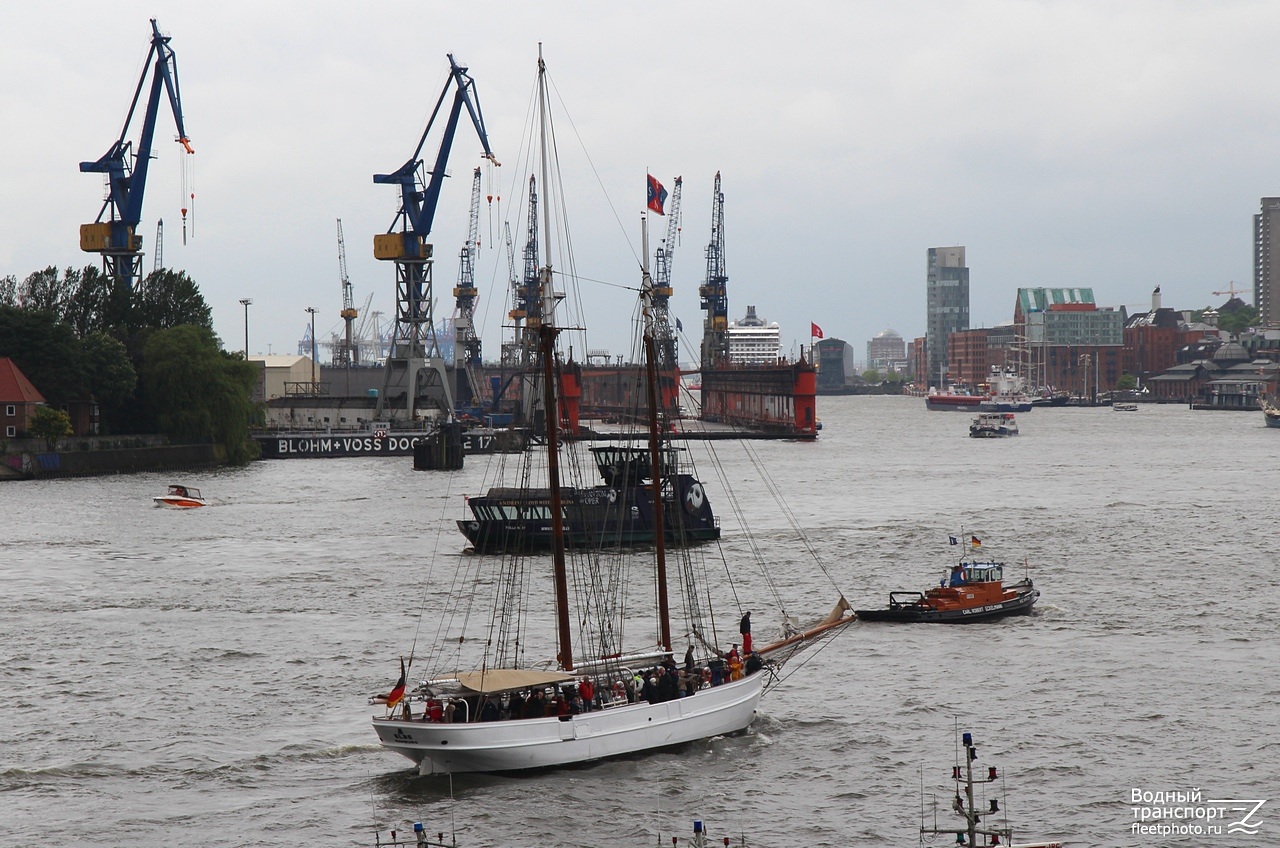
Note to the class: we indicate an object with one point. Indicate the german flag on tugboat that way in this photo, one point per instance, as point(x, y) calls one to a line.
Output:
point(975, 541)
point(397, 691)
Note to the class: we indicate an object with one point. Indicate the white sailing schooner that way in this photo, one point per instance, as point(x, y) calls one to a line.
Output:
point(611, 702)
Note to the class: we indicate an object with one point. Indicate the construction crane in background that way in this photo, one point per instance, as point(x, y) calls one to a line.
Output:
point(664, 338)
point(1231, 291)
point(527, 312)
point(511, 349)
point(159, 257)
point(366, 344)
point(116, 237)
point(713, 291)
point(345, 352)
point(466, 344)
point(304, 343)
point(415, 357)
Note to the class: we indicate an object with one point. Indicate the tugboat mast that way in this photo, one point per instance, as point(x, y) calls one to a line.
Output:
point(967, 808)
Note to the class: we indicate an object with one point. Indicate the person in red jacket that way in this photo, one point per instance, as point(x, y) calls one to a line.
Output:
point(588, 693)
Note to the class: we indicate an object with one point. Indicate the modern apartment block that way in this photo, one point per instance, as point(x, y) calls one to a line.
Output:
point(946, 306)
point(1266, 262)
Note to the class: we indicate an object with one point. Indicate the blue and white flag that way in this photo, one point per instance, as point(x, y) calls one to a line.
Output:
point(954, 540)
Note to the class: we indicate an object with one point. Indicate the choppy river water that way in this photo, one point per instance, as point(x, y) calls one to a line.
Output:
point(200, 677)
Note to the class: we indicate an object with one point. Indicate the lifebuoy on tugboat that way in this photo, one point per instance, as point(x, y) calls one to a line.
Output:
point(694, 497)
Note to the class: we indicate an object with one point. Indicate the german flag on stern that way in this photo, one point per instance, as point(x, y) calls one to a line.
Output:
point(397, 692)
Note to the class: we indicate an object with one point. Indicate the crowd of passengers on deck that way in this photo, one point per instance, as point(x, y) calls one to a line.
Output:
point(664, 682)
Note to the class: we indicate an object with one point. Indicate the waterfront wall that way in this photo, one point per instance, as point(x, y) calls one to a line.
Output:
point(30, 459)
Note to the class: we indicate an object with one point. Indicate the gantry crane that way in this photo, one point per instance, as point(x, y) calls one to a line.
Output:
point(345, 353)
point(664, 338)
point(527, 312)
point(713, 291)
point(466, 344)
point(415, 359)
point(158, 259)
point(1231, 291)
point(116, 238)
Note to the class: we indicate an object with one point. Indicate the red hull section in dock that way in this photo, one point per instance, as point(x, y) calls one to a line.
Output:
point(774, 398)
point(778, 400)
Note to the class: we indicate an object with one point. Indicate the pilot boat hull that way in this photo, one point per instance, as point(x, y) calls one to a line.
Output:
point(1019, 599)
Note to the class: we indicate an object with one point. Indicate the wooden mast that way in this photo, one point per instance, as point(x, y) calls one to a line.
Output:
point(651, 383)
point(547, 345)
point(547, 333)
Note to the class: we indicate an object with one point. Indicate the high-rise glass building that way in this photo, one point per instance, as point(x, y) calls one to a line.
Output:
point(946, 304)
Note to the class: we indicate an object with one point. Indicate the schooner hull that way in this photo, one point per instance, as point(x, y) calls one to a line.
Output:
point(543, 742)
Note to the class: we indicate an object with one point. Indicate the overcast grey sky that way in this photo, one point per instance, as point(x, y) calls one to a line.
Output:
point(1113, 145)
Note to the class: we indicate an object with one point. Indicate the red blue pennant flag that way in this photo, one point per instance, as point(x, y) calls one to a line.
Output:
point(657, 195)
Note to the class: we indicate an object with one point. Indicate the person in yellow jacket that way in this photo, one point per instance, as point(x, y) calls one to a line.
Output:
point(734, 659)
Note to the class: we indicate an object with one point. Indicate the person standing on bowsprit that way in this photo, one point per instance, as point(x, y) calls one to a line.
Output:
point(745, 629)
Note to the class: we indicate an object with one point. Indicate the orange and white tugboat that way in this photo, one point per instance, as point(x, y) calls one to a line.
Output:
point(985, 824)
point(971, 590)
point(179, 497)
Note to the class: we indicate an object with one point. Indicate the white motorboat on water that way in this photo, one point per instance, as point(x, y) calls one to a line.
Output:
point(179, 497)
point(504, 699)
point(991, 425)
point(1124, 406)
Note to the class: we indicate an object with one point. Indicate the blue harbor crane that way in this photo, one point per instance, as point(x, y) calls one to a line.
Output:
point(116, 238)
point(664, 338)
point(713, 291)
point(415, 360)
point(527, 314)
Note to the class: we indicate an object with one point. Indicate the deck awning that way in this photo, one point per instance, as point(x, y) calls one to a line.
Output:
point(494, 680)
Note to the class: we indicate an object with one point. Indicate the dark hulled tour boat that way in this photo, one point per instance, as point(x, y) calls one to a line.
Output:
point(617, 512)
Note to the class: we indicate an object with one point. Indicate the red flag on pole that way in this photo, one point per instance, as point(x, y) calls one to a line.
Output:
point(657, 195)
point(815, 331)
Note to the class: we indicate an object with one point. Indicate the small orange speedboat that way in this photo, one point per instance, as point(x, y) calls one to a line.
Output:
point(179, 497)
point(971, 591)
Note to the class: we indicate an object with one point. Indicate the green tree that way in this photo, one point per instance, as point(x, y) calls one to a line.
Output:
point(95, 305)
point(48, 290)
point(110, 372)
point(46, 350)
point(49, 424)
point(8, 290)
point(198, 392)
point(1126, 383)
point(1238, 320)
point(872, 375)
point(169, 298)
